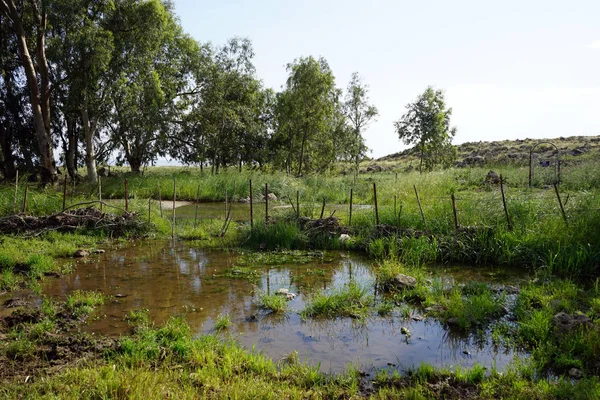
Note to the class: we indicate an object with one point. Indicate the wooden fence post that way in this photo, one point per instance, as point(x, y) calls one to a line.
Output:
point(160, 201)
point(149, 208)
point(454, 211)
point(197, 200)
point(251, 216)
point(25, 199)
point(297, 204)
point(375, 199)
point(100, 192)
point(173, 212)
point(504, 204)
point(17, 192)
point(420, 208)
point(266, 204)
point(350, 217)
point(562, 208)
point(126, 195)
point(65, 194)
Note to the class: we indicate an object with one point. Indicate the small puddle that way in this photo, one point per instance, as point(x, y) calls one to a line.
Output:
point(181, 280)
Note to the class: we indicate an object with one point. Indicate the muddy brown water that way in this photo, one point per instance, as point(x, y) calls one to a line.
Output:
point(176, 279)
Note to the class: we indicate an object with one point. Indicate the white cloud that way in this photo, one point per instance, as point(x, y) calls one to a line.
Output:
point(595, 44)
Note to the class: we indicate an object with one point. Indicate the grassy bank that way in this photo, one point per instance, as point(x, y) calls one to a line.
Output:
point(168, 361)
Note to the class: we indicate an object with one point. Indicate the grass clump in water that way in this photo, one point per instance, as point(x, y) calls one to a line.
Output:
point(81, 303)
point(274, 303)
point(350, 301)
point(222, 323)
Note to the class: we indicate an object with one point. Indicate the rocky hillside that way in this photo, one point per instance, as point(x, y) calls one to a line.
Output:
point(516, 151)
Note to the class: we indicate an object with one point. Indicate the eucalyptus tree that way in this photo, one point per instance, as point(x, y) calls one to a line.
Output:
point(151, 67)
point(80, 49)
point(360, 114)
point(28, 23)
point(224, 123)
point(304, 112)
point(426, 125)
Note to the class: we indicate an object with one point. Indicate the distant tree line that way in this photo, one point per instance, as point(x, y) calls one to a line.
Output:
point(87, 80)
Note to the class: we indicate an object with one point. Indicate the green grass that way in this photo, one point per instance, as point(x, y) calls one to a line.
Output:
point(350, 301)
point(222, 323)
point(81, 303)
point(274, 303)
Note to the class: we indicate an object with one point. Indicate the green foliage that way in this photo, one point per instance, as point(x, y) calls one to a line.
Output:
point(82, 303)
point(222, 323)
point(274, 302)
point(350, 301)
point(426, 125)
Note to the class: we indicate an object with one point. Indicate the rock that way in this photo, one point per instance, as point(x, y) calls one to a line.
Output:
point(511, 289)
point(405, 331)
point(344, 237)
point(575, 373)
point(282, 292)
point(417, 318)
point(576, 152)
point(272, 197)
point(81, 253)
point(564, 323)
point(474, 160)
point(492, 178)
point(374, 168)
point(452, 321)
point(120, 295)
point(466, 352)
point(402, 281)
point(290, 296)
point(52, 274)
point(99, 251)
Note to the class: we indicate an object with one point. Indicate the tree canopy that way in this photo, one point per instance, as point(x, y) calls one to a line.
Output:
point(426, 125)
point(87, 81)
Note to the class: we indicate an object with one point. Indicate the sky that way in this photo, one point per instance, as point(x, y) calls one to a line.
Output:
point(509, 69)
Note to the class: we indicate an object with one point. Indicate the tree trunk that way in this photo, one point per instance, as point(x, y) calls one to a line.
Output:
point(39, 91)
point(90, 154)
point(301, 155)
point(135, 162)
point(71, 149)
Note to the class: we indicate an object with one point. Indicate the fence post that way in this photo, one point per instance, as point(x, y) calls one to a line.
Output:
point(160, 201)
point(173, 212)
point(266, 204)
point(420, 208)
point(454, 211)
point(562, 208)
point(297, 204)
point(149, 208)
point(65, 193)
point(17, 192)
point(126, 195)
point(504, 203)
point(251, 216)
point(25, 199)
point(350, 218)
point(197, 200)
point(322, 209)
point(100, 191)
point(375, 199)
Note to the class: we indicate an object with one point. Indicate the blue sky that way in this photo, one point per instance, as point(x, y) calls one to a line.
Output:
point(510, 69)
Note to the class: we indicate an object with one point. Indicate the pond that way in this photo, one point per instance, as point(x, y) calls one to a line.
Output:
point(175, 279)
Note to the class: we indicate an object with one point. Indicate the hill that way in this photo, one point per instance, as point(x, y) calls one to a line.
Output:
point(571, 149)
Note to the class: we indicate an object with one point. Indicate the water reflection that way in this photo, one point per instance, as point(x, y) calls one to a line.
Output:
point(180, 280)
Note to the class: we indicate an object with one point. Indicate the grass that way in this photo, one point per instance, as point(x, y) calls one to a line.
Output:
point(82, 303)
point(350, 301)
point(169, 361)
point(222, 323)
point(273, 302)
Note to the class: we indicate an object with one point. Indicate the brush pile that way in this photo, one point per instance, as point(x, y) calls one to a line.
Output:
point(71, 220)
point(330, 225)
